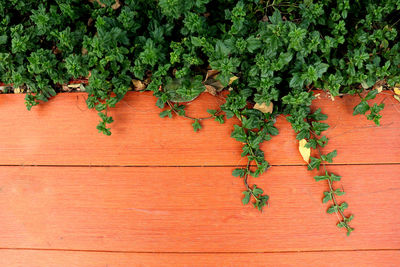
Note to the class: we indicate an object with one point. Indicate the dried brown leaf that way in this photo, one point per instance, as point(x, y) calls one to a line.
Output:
point(138, 85)
point(211, 74)
point(65, 88)
point(116, 5)
point(98, 1)
point(214, 83)
point(210, 89)
point(264, 107)
point(90, 22)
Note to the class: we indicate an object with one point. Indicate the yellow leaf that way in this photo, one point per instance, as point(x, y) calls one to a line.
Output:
point(264, 107)
point(379, 88)
point(304, 151)
point(74, 85)
point(18, 90)
point(397, 97)
point(232, 79)
point(397, 90)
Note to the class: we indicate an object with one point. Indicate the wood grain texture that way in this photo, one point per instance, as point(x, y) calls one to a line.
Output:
point(35, 258)
point(192, 209)
point(63, 132)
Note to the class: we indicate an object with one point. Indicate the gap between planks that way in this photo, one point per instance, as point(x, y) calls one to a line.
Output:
point(189, 166)
point(199, 252)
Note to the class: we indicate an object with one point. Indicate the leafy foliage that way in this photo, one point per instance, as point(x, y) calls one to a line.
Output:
point(276, 51)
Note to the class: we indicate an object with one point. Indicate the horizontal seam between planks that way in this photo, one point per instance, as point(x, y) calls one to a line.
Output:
point(198, 252)
point(186, 166)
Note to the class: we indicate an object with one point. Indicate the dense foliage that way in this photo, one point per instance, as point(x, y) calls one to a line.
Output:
point(276, 51)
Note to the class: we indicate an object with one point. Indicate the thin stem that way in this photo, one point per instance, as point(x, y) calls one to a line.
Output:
point(245, 180)
point(395, 23)
point(189, 117)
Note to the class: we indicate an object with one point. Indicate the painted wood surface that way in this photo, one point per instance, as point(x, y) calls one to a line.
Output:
point(35, 258)
point(156, 193)
point(193, 209)
point(63, 132)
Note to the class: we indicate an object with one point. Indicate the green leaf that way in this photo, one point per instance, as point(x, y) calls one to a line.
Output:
point(319, 127)
point(257, 191)
point(374, 115)
point(371, 94)
point(343, 206)
point(334, 178)
point(297, 81)
point(323, 141)
point(196, 125)
point(253, 44)
point(312, 143)
point(349, 230)
point(321, 178)
point(160, 103)
point(329, 157)
point(303, 134)
point(314, 163)
point(318, 116)
point(239, 172)
point(332, 209)
point(220, 119)
point(239, 134)
point(349, 219)
point(261, 202)
point(166, 113)
point(196, 41)
point(3, 39)
point(211, 111)
point(361, 108)
point(327, 197)
point(276, 17)
point(246, 197)
point(285, 58)
point(339, 192)
point(271, 129)
point(321, 68)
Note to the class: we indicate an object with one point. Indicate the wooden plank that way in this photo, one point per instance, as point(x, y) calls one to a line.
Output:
point(192, 209)
point(63, 132)
point(40, 258)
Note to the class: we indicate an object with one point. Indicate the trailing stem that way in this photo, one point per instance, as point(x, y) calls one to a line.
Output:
point(180, 111)
point(253, 120)
point(315, 142)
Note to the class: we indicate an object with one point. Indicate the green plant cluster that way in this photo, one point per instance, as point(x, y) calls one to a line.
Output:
point(278, 49)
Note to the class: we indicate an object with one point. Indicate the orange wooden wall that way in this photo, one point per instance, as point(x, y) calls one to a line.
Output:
point(155, 193)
